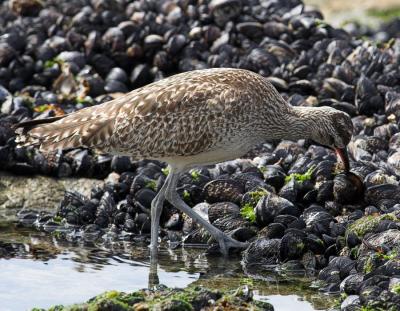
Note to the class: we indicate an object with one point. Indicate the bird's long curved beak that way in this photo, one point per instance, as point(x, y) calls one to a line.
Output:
point(344, 157)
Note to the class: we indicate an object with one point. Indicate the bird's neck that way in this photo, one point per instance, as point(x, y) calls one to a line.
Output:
point(300, 123)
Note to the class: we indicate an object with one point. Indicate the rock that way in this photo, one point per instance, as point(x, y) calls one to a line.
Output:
point(351, 303)
point(389, 239)
point(39, 192)
point(368, 224)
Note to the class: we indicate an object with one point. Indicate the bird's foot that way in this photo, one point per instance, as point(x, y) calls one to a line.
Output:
point(226, 243)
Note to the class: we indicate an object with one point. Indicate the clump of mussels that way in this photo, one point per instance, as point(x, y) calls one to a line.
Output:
point(288, 199)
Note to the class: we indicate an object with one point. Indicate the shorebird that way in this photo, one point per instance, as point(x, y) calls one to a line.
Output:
point(191, 119)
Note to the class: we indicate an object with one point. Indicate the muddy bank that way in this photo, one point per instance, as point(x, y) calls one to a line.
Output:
point(39, 192)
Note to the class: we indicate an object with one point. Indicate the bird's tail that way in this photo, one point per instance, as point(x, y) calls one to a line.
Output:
point(22, 129)
point(84, 128)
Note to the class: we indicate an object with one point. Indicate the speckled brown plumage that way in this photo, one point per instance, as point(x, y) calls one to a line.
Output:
point(193, 118)
point(204, 116)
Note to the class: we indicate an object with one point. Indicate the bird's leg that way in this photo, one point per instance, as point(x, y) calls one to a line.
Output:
point(225, 241)
point(153, 272)
point(156, 210)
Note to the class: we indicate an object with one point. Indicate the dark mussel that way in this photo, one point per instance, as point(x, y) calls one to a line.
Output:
point(348, 188)
point(272, 205)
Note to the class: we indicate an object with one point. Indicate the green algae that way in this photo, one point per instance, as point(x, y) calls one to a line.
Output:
point(152, 184)
point(186, 196)
point(390, 256)
point(396, 289)
point(248, 213)
point(191, 298)
point(368, 224)
point(195, 175)
point(300, 178)
point(165, 171)
point(57, 219)
point(263, 169)
point(247, 210)
point(368, 266)
point(257, 195)
point(386, 14)
point(54, 61)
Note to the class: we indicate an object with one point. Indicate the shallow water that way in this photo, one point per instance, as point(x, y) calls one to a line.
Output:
point(62, 280)
point(43, 271)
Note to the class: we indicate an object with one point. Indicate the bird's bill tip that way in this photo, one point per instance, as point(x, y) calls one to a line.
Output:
point(344, 157)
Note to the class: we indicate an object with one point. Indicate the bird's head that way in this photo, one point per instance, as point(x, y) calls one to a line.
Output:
point(333, 130)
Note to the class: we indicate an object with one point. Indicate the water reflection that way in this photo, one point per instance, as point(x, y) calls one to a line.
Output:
point(40, 270)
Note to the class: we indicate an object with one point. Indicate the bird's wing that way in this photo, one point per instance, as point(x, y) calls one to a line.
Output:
point(184, 114)
point(179, 116)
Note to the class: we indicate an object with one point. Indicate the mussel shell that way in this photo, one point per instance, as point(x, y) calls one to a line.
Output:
point(223, 190)
point(394, 162)
point(317, 219)
point(273, 231)
point(222, 209)
point(262, 252)
point(285, 219)
point(243, 234)
point(229, 223)
point(314, 244)
point(290, 191)
point(324, 169)
point(325, 191)
point(274, 175)
point(392, 103)
point(252, 181)
point(224, 10)
point(378, 177)
point(291, 247)
point(337, 269)
point(351, 284)
point(271, 206)
point(348, 188)
point(389, 239)
point(368, 100)
point(383, 196)
point(144, 197)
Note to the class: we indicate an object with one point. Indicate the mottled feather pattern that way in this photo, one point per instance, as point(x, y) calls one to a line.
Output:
point(185, 114)
point(189, 113)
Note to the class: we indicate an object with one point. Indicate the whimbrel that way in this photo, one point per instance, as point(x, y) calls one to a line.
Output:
point(187, 120)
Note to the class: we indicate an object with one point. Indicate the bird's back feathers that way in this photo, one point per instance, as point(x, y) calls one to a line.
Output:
point(182, 115)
